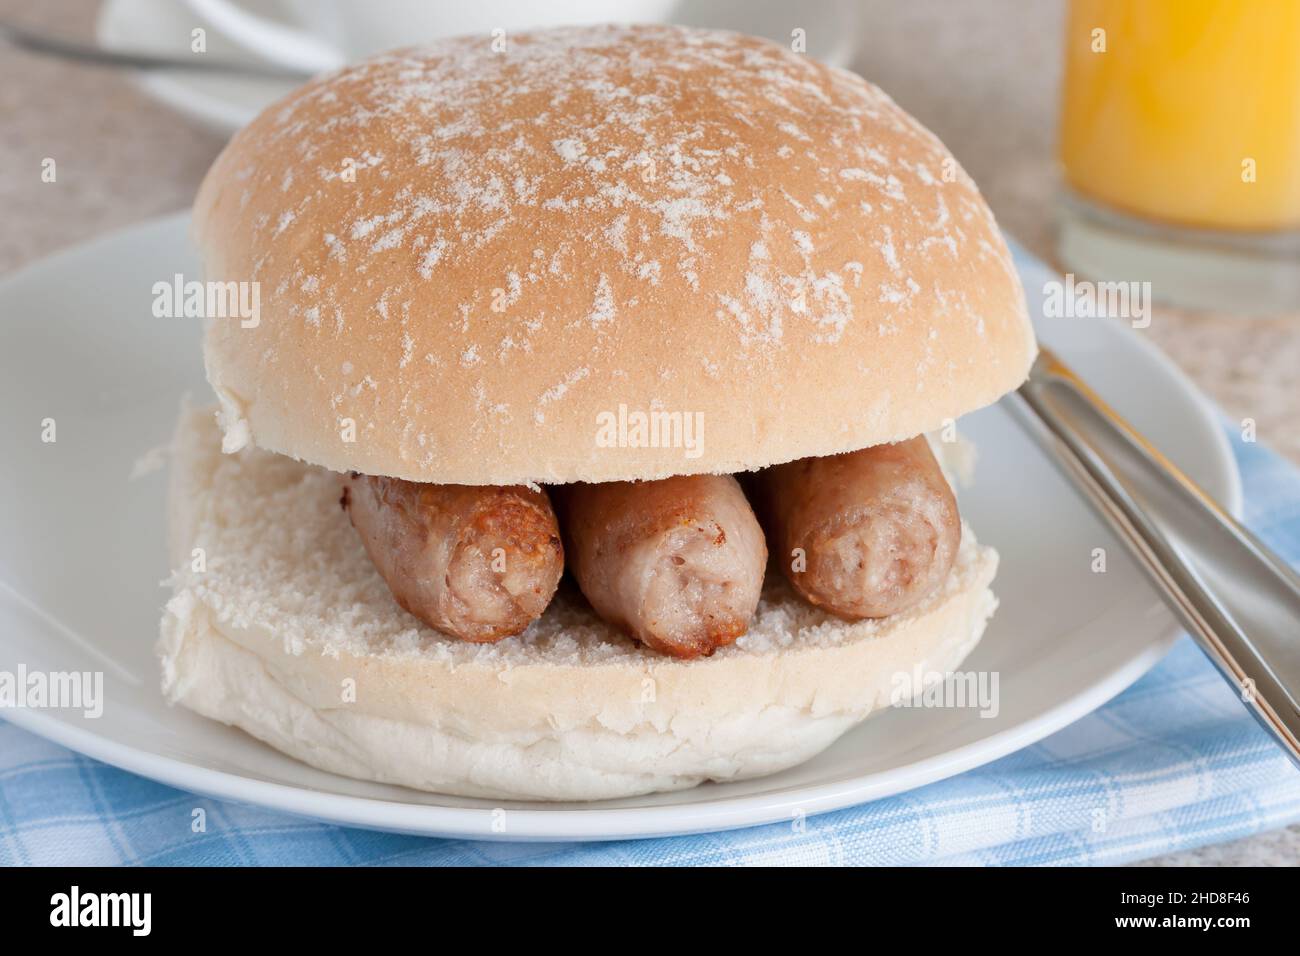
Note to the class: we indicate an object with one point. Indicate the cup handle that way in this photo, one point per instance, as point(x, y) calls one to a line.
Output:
point(289, 46)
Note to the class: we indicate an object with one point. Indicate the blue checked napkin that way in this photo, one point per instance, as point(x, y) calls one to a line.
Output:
point(1172, 763)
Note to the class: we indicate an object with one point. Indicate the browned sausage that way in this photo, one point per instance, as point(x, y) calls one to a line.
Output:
point(866, 534)
point(678, 564)
point(478, 563)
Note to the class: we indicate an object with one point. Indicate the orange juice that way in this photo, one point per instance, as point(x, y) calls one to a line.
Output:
point(1185, 111)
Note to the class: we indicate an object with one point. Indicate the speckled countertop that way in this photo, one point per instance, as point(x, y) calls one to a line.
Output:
point(982, 76)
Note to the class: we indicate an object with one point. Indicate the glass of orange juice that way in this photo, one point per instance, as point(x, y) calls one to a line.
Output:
point(1180, 149)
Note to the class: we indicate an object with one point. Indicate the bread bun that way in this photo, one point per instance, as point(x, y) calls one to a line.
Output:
point(288, 610)
point(480, 267)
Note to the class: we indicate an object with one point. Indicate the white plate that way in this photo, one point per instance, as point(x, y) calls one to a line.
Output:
point(81, 555)
point(225, 103)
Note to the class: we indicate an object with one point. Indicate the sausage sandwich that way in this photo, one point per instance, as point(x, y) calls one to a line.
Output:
point(589, 439)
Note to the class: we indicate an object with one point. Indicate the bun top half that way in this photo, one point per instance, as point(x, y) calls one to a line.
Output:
point(599, 254)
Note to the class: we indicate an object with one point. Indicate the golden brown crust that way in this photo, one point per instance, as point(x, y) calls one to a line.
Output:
point(478, 563)
point(866, 534)
point(677, 564)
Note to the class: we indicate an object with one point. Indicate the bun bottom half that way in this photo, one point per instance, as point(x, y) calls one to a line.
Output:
point(280, 625)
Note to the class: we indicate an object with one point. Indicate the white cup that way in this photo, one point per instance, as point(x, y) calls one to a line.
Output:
point(318, 35)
